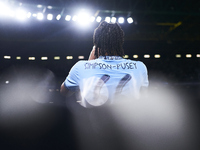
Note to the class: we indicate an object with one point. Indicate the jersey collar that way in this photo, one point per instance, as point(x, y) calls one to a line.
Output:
point(110, 57)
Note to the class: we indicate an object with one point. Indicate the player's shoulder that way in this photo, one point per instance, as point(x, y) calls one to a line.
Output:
point(80, 62)
point(136, 61)
point(139, 64)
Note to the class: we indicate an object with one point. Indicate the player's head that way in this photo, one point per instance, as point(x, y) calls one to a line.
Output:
point(108, 39)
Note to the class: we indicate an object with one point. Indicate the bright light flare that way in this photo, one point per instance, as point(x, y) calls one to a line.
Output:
point(84, 18)
point(58, 17)
point(130, 20)
point(34, 15)
point(21, 98)
point(121, 20)
point(21, 14)
point(49, 7)
point(50, 17)
point(68, 18)
point(98, 19)
point(28, 14)
point(158, 117)
point(91, 93)
point(75, 18)
point(40, 16)
point(113, 19)
point(107, 19)
point(11, 13)
point(5, 10)
point(92, 19)
point(39, 6)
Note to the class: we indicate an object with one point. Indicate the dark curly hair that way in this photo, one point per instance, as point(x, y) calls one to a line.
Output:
point(108, 39)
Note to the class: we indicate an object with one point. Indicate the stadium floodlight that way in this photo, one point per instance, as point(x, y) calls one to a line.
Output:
point(44, 58)
point(126, 56)
point(146, 56)
point(56, 57)
point(39, 6)
point(178, 55)
point(4, 9)
point(40, 16)
point(157, 56)
point(21, 14)
point(107, 19)
point(113, 19)
point(58, 17)
point(31, 58)
point(34, 15)
point(18, 57)
point(28, 14)
point(50, 17)
point(75, 18)
point(121, 20)
point(11, 13)
point(92, 19)
point(130, 20)
point(7, 57)
point(69, 57)
point(98, 19)
point(135, 56)
point(188, 55)
point(81, 57)
point(83, 18)
point(49, 7)
point(67, 18)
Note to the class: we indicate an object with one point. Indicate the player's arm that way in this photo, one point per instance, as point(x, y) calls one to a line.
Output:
point(64, 91)
point(71, 83)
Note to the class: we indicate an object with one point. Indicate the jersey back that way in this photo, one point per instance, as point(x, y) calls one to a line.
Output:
point(107, 79)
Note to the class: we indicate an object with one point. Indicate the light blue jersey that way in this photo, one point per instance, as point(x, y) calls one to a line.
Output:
point(104, 79)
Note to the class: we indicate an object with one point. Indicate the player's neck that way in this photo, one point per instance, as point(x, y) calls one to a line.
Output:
point(106, 54)
point(110, 57)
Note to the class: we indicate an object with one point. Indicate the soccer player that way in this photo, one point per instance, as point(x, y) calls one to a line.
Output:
point(106, 76)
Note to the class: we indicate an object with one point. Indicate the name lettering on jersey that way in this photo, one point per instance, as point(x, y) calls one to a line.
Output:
point(128, 65)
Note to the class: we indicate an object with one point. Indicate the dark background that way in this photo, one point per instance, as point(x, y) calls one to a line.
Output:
point(160, 27)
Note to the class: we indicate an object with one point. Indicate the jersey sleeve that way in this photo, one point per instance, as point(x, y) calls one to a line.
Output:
point(145, 81)
point(72, 80)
